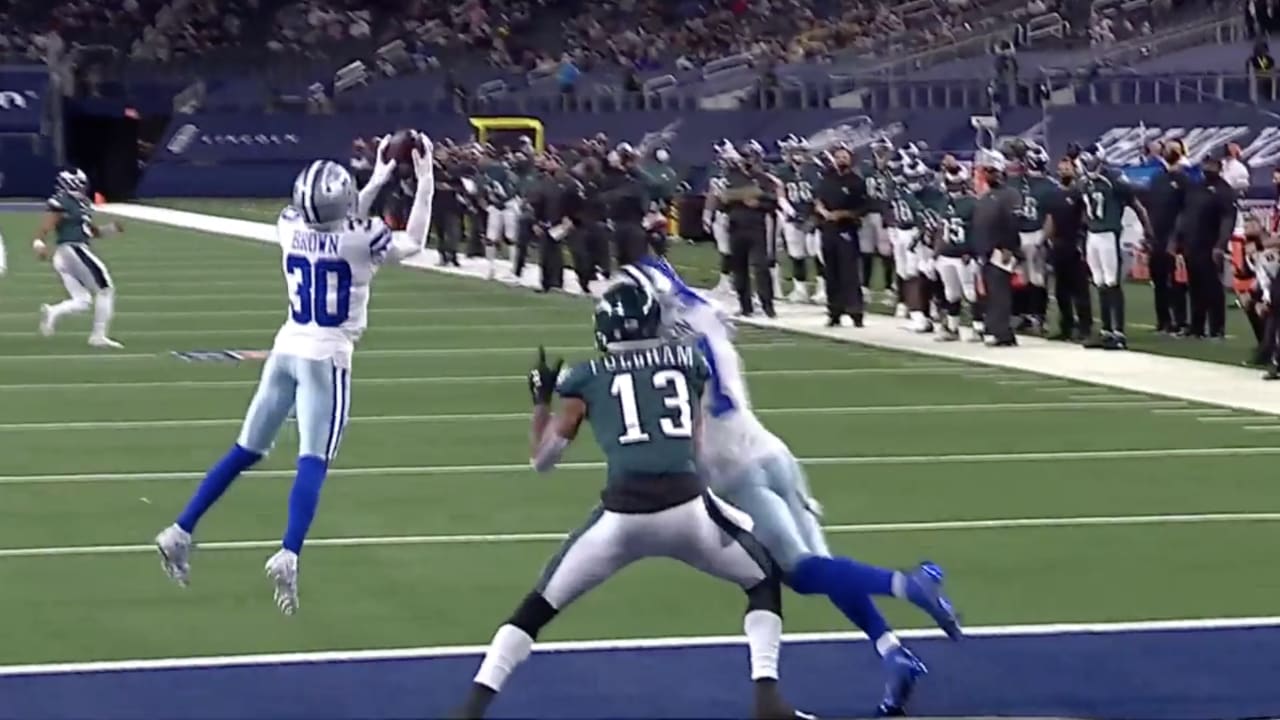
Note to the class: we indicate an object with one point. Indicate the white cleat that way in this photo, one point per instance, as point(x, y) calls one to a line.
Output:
point(46, 320)
point(798, 294)
point(901, 311)
point(282, 569)
point(174, 545)
point(102, 341)
point(819, 297)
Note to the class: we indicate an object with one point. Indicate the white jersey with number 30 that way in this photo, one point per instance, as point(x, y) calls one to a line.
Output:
point(328, 275)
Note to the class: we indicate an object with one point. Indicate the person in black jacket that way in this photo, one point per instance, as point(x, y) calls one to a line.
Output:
point(1209, 220)
point(1166, 199)
point(750, 198)
point(447, 211)
point(998, 247)
point(1064, 230)
point(626, 194)
point(841, 203)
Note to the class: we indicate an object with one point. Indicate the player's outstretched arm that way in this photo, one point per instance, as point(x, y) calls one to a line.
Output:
point(550, 434)
point(383, 167)
point(414, 238)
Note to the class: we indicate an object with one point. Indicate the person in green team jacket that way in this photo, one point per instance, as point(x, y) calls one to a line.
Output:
point(956, 266)
point(642, 399)
point(69, 217)
point(1038, 191)
point(1106, 194)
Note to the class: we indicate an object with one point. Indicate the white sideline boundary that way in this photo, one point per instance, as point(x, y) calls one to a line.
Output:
point(426, 653)
point(1177, 378)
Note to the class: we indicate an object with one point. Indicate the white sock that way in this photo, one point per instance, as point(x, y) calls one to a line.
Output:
point(898, 585)
point(953, 323)
point(4, 263)
point(104, 307)
point(887, 643)
point(510, 647)
point(725, 280)
point(764, 639)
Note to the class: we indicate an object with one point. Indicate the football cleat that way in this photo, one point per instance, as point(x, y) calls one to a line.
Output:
point(174, 545)
point(282, 569)
point(902, 670)
point(900, 311)
point(946, 334)
point(102, 341)
point(799, 293)
point(46, 320)
point(924, 590)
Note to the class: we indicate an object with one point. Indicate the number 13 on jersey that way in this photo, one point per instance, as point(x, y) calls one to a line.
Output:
point(320, 291)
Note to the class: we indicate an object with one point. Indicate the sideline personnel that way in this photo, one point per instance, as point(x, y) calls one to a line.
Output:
point(841, 202)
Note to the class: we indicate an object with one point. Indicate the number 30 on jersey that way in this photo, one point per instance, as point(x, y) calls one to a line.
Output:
point(319, 292)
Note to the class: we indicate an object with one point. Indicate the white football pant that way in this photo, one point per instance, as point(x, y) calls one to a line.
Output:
point(87, 280)
point(321, 392)
point(1102, 253)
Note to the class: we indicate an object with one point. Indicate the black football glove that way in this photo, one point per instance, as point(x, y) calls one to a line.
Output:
point(543, 377)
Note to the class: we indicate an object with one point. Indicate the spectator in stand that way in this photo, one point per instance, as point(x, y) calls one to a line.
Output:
point(1261, 67)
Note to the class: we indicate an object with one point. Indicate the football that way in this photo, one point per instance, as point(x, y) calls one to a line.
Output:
point(401, 147)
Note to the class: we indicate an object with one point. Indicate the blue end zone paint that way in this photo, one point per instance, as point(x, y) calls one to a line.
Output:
point(1170, 675)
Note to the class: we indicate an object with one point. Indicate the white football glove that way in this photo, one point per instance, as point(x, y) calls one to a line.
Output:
point(382, 170)
point(424, 161)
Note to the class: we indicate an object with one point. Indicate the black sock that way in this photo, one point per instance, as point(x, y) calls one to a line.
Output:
point(818, 268)
point(1117, 308)
point(478, 699)
point(799, 269)
point(866, 269)
point(1040, 307)
point(886, 266)
point(724, 264)
point(1104, 308)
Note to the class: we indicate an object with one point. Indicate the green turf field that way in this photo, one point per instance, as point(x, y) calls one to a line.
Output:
point(438, 527)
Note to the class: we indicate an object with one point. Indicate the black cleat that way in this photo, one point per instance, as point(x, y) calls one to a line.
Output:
point(1097, 342)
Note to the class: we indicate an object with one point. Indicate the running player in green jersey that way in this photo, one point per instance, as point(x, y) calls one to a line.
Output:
point(69, 217)
point(1106, 194)
point(642, 398)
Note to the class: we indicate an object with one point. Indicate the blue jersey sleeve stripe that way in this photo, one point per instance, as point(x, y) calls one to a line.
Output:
point(381, 241)
point(721, 403)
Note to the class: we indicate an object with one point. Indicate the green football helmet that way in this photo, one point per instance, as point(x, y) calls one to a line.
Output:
point(625, 313)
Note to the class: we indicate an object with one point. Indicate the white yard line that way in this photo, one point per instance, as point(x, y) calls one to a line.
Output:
point(267, 332)
point(524, 415)
point(1263, 428)
point(391, 352)
point(540, 537)
point(631, 644)
point(1234, 419)
point(447, 379)
point(1199, 411)
point(850, 460)
point(280, 313)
